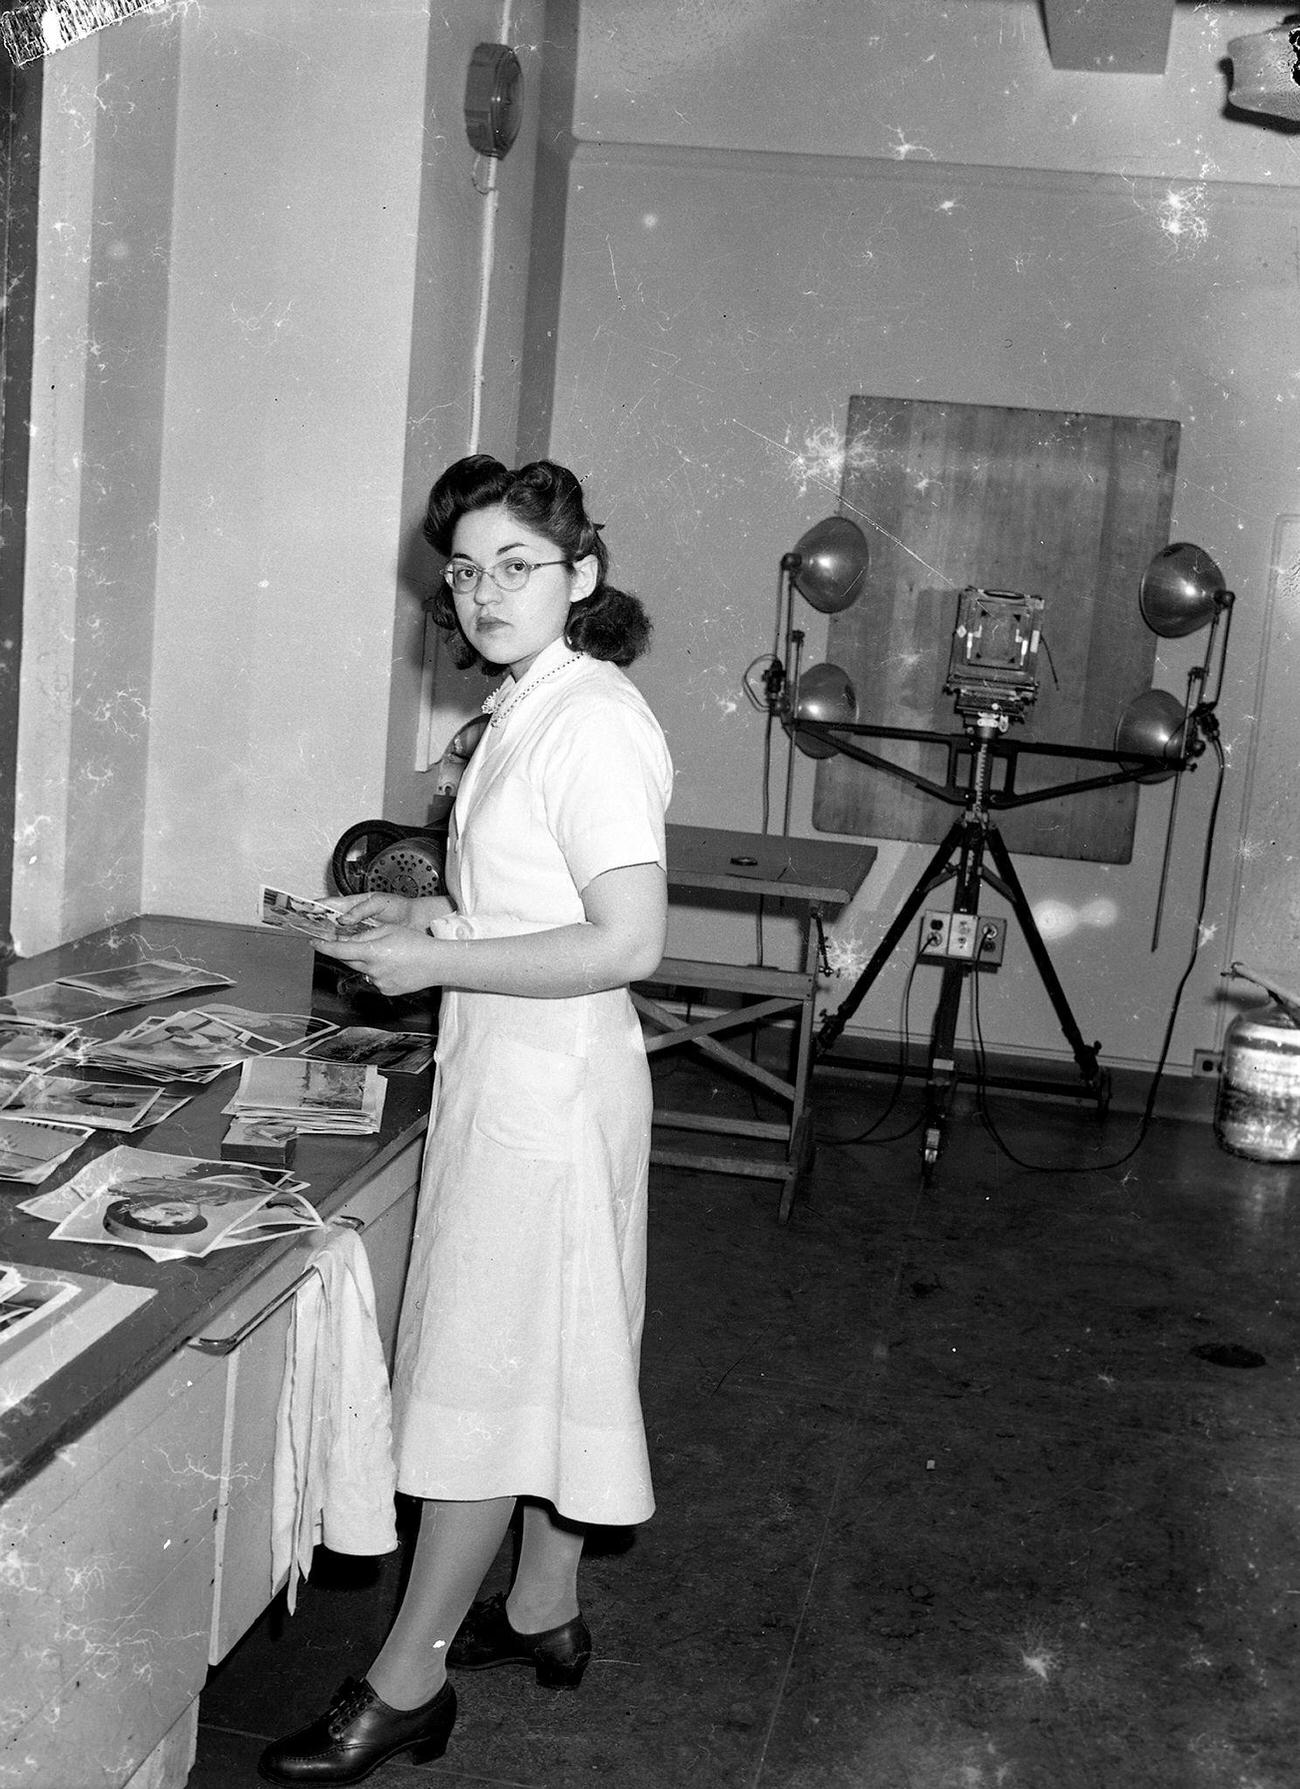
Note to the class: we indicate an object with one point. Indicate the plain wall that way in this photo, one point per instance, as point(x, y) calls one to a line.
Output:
point(772, 208)
point(98, 379)
point(260, 243)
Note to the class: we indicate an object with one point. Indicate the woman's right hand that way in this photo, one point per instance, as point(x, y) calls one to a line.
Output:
point(388, 909)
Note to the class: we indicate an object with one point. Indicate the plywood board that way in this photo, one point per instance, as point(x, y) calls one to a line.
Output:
point(1061, 504)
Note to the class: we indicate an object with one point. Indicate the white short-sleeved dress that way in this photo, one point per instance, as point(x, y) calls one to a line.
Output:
point(519, 1343)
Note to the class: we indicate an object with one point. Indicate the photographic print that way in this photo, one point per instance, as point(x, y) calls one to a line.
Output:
point(48, 1317)
point(391, 1052)
point(25, 1298)
point(134, 984)
point(29, 1044)
point(30, 1151)
point(314, 919)
point(186, 1046)
point(106, 1105)
point(331, 1097)
point(265, 1033)
point(166, 1205)
point(284, 1214)
point(54, 1003)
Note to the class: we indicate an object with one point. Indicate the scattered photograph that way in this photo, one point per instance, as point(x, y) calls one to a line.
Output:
point(185, 1046)
point(267, 1032)
point(26, 1045)
point(166, 1205)
point(163, 1107)
point(25, 1298)
point(284, 1214)
point(314, 919)
point(391, 1052)
point(106, 1105)
point(48, 1318)
point(134, 984)
point(30, 1151)
point(54, 1003)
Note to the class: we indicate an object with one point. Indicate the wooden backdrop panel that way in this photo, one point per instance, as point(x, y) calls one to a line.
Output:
point(1060, 504)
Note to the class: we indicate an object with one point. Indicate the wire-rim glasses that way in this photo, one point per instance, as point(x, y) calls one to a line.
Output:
point(463, 576)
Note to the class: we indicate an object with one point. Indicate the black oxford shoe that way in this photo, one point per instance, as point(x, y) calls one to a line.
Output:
point(355, 1735)
point(559, 1654)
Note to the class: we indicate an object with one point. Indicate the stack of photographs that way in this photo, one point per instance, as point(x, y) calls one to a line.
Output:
point(337, 1098)
point(200, 1043)
point(184, 1046)
point(172, 1207)
point(314, 919)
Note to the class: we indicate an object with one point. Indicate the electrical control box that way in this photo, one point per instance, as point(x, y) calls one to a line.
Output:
point(972, 939)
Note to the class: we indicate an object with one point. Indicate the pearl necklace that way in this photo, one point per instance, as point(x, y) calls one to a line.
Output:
point(499, 710)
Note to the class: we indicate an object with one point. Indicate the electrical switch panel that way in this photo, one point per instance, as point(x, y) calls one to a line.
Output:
point(972, 939)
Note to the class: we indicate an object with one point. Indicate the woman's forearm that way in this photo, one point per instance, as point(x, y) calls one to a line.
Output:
point(620, 941)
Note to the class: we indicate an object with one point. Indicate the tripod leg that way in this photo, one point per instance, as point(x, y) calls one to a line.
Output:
point(941, 1071)
point(937, 870)
point(1085, 1055)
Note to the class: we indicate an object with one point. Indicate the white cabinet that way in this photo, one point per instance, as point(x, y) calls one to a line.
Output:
point(143, 1550)
point(108, 1565)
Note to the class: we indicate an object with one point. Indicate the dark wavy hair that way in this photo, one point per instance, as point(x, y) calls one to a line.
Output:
point(547, 499)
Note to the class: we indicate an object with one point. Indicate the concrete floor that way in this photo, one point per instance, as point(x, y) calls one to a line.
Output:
point(987, 1481)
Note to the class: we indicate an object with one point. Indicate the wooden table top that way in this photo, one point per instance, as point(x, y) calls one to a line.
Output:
point(818, 872)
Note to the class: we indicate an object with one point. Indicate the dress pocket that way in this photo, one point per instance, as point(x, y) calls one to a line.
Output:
point(529, 1099)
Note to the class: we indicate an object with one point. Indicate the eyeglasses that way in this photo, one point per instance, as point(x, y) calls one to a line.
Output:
point(463, 577)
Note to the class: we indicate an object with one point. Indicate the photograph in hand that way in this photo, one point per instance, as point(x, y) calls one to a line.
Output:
point(314, 919)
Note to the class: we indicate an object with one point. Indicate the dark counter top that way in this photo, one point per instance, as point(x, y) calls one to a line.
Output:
point(272, 971)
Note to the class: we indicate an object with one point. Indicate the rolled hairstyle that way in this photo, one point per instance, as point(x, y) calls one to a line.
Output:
point(546, 498)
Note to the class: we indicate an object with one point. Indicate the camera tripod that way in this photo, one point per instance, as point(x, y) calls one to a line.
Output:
point(961, 855)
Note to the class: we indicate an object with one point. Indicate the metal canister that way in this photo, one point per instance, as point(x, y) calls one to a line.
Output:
point(1257, 1113)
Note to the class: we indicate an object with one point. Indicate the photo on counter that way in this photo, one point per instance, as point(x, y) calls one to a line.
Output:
point(134, 984)
point(27, 1044)
point(268, 1032)
point(186, 1046)
point(166, 1205)
point(313, 918)
point(48, 1317)
point(25, 1297)
point(54, 1003)
point(30, 1151)
point(284, 1214)
point(391, 1052)
point(58, 1099)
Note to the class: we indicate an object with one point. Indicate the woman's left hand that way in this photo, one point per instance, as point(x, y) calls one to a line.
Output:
point(396, 959)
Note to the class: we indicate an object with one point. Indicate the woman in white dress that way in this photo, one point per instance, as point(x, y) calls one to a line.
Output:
point(518, 1349)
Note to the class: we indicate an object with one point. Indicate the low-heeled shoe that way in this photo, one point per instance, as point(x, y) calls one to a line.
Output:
point(559, 1654)
point(354, 1736)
